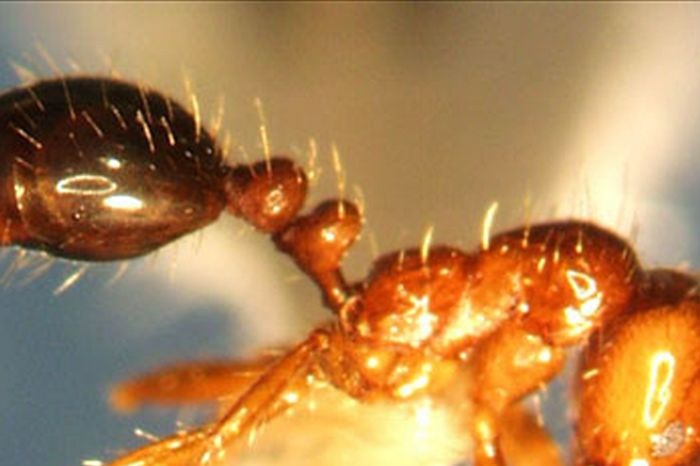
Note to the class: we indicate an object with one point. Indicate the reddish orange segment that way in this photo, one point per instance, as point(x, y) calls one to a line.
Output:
point(267, 194)
point(640, 395)
point(318, 243)
point(417, 298)
point(186, 383)
point(568, 277)
point(525, 442)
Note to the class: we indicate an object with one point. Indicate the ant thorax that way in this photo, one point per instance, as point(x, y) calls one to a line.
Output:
point(393, 331)
point(412, 297)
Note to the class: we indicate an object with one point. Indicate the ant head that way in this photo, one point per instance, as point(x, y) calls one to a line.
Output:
point(411, 297)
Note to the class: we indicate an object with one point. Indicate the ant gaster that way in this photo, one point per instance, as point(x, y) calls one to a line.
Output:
point(98, 169)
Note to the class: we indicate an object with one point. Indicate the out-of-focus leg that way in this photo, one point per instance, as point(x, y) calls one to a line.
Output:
point(506, 366)
point(188, 383)
point(524, 441)
point(284, 383)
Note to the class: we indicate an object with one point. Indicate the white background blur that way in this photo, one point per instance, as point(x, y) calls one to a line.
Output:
point(587, 110)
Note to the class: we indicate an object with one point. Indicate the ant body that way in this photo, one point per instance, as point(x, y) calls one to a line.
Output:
point(99, 169)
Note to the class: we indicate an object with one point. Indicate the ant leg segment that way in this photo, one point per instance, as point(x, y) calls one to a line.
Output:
point(506, 366)
point(276, 390)
point(318, 243)
point(487, 450)
point(639, 389)
point(188, 383)
point(525, 442)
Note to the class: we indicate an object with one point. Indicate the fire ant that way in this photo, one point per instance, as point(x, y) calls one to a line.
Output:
point(102, 170)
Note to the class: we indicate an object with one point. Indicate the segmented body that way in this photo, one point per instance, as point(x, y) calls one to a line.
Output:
point(97, 169)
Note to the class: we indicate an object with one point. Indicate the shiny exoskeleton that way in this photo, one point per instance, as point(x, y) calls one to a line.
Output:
point(103, 170)
point(98, 169)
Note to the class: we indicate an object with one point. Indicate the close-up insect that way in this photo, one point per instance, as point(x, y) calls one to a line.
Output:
point(104, 170)
point(468, 321)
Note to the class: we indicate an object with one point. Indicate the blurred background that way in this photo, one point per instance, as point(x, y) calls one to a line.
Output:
point(553, 110)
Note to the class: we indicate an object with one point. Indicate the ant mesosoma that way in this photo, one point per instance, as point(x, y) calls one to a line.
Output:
point(98, 169)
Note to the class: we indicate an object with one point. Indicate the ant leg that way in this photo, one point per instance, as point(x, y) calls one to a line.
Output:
point(275, 391)
point(505, 367)
point(525, 442)
point(639, 389)
point(188, 383)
